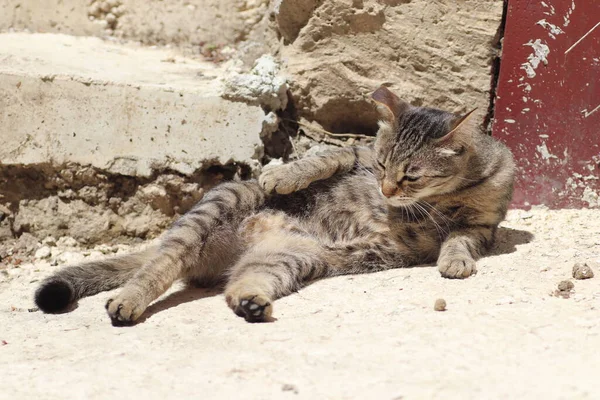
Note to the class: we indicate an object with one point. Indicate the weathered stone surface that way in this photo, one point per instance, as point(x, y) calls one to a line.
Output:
point(430, 53)
point(150, 22)
point(60, 16)
point(126, 110)
point(103, 141)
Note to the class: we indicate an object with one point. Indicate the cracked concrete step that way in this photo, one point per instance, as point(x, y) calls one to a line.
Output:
point(124, 109)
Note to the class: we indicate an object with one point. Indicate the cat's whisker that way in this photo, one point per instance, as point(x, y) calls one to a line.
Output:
point(443, 217)
point(421, 214)
point(425, 213)
point(410, 212)
point(441, 232)
point(364, 169)
point(402, 214)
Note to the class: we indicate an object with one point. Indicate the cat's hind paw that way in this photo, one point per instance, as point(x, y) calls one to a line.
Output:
point(458, 268)
point(123, 310)
point(253, 308)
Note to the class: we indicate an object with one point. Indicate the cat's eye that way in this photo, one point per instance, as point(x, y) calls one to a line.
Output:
point(380, 164)
point(408, 178)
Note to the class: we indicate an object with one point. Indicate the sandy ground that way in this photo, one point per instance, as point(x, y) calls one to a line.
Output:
point(371, 336)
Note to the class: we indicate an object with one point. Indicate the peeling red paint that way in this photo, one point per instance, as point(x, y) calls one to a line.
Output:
point(548, 101)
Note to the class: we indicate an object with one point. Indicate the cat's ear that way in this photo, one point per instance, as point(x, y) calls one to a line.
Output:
point(388, 102)
point(460, 127)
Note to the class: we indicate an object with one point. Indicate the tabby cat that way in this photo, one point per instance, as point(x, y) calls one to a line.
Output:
point(432, 187)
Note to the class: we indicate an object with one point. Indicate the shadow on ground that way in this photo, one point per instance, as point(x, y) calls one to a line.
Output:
point(508, 239)
point(185, 295)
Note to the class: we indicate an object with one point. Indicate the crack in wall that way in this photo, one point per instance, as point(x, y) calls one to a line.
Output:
point(495, 69)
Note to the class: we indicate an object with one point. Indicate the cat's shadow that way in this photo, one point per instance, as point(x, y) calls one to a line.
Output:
point(186, 294)
point(507, 240)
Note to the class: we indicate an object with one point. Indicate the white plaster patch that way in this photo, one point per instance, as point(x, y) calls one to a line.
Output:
point(526, 88)
point(550, 8)
point(591, 167)
point(591, 197)
point(553, 30)
point(540, 54)
point(583, 185)
point(544, 152)
point(567, 17)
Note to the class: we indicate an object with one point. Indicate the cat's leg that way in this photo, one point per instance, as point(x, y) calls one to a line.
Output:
point(183, 247)
point(462, 248)
point(279, 265)
point(361, 258)
point(297, 175)
point(280, 257)
point(270, 270)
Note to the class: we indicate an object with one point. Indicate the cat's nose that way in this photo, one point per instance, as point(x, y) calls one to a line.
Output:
point(388, 190)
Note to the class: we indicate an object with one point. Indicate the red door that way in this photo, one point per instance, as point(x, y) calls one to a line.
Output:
point(547, 107)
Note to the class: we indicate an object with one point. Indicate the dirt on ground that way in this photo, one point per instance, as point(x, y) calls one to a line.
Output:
point(504, 333)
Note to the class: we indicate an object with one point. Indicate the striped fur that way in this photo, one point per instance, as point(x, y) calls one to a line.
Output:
point(432, 188)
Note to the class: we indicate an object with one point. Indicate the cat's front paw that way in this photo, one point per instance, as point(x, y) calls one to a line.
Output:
point(251, 307)
point(457, 268)
point(125, 308)
point(279, 179)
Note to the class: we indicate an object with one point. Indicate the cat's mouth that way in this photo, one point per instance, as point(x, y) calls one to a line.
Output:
point(400, 201)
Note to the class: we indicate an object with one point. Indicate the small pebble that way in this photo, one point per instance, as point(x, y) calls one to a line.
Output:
point(103, 24)
point(565, 286)
point(505, 300)
point(582, 271)
point(95, 9)
point(110, 18)
point(43, 252)
point(440, 305)
point(289, 388)
point(49, 241)
point(105, 6)
point(66, 241)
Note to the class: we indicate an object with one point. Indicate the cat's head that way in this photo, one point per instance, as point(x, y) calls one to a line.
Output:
point(420, 152)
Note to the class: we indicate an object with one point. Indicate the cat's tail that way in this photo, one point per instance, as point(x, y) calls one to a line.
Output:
point(57, 292)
